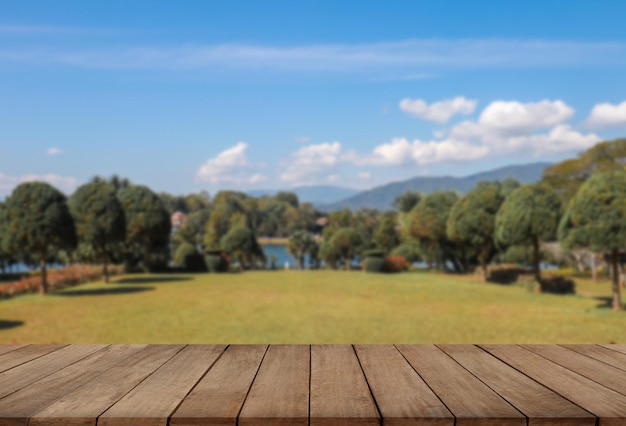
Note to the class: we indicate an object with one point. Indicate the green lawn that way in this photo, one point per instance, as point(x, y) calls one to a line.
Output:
point(310, 307)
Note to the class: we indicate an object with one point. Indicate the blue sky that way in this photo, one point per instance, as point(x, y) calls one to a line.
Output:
point(185, 96)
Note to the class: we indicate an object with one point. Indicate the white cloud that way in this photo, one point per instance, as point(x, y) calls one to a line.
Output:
point(365, 175)
point(54, 151)
point(403, 152)
point(439, 112)
point(313, 163)
point(230, 166)
point(503, 128)
point(64, 183)
point(515, 117)
point(607, 115)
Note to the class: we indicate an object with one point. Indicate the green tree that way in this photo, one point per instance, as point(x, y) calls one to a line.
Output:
point(100, 220)
point(241, 244)
point(405, 202)
point(427, 224)
point(300, 243)
point(528, 216)
point(193, 229)
point(38, 222)
point(567, 176)
point(180, 255)
point(386, 237)
point(288, 197)
point(508, 186)
point(472, 219)
point(596, 218)
point(346, 243)
point(148, 226)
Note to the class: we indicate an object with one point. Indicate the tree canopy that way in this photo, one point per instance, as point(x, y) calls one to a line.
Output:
point(301, 243)
point(241, 244)
point(528, 216)
point(472, 221)
point(596, 219)
point(100, 220)
point(38, 222)
point(148, 226)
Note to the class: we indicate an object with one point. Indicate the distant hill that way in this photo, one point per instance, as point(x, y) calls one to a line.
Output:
point(382, 197)
point(317, 195)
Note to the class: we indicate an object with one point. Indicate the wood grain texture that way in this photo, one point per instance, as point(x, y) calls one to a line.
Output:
point(219, 395)
point(400, 393)
point(85, 404)
point(153, 400)
point(619, 348)
point(541, 405)
point(469, 399)
point(280, 392)
point(608, 405)
point(25, 374)
point(339, 392)
point(9, 348)
point(19, 407)
point(607, 375)
point(25, 354)
point(601, 353)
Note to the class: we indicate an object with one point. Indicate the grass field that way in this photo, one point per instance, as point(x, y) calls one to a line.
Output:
point(311, 307)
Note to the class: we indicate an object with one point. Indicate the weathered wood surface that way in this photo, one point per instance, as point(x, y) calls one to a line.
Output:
point(313, 385)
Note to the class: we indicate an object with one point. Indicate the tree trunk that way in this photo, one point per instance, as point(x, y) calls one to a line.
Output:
point(536, 260)
point(301, 262)
point(617, 300)
point(43, 287)
point(594, 268)
point(347, 261)
point(105, 268)
point(483, 264)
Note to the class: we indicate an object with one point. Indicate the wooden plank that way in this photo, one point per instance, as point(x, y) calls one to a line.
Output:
point(541, 405)
point(339, 392)
point(400, 393)
point(280, 392)
point(605, 374)
point(154, 399)
point(469, 399)
point(17, 408)
point(619, 348)
point(85, 404)
point(608, 356)
point(603, 402)
point(9, 348)
point(25, 374)
point(23, 355)
point(220, 394)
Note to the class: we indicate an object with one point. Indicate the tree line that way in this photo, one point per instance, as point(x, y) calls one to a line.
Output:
point(580, 203)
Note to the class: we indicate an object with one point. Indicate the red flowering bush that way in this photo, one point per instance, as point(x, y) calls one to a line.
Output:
point(57, 279)
point(397, 263)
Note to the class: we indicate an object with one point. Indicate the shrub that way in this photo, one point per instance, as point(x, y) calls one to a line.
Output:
point(375, 264)
point(410, 251)
point(558, 285)
point(373, 253)
point(58, 279)
point(216, 261)
point(397, 264)
point(195, 262)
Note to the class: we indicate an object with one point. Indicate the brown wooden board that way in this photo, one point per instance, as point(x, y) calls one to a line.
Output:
point(219, 395)
point(400, 393)
point(608, 356)
point(604, 403)
point(469, 399)
point(154, 399)
point(541, 405)
point(23, 355)
point(339, 392)
point(280, 392)
point(25, 374)
point(606, 375)
point(619, 348)
point(9, 348)
point(17, 408)
point(85, 404)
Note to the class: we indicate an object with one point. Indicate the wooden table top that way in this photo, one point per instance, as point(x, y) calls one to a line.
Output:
point(312, 384)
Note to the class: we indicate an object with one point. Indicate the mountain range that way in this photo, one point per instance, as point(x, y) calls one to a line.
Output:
point(329, 198)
